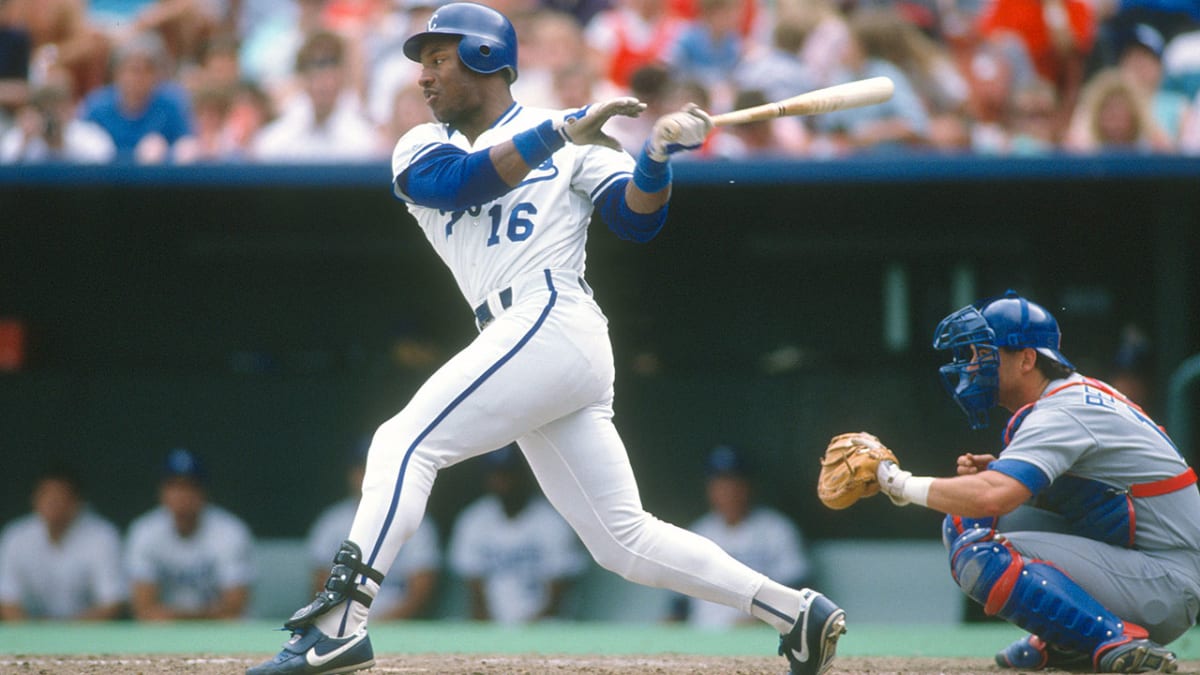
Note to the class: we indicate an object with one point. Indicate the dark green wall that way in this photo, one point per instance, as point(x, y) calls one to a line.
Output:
point(258, 323)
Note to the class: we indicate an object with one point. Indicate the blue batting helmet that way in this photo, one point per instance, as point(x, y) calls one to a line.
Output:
point(975, 334)
point(488, 44)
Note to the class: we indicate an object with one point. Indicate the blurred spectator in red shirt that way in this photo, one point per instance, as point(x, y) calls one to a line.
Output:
point(630, 35)
point(1058, 35)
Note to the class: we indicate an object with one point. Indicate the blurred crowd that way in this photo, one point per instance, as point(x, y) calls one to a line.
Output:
point(289, 81)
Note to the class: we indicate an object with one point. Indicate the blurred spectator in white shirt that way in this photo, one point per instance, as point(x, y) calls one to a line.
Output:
point(62, 561)
point(326, 123)
point(47, 130)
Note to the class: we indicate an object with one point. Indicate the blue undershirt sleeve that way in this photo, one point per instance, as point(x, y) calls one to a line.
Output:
point(451, 179)
point(1027, 474)
point(624, 221)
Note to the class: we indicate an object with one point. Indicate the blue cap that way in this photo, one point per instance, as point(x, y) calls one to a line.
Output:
point(726, 460)
point(183, 463)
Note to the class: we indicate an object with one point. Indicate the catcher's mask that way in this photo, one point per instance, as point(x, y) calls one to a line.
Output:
point(974, 336)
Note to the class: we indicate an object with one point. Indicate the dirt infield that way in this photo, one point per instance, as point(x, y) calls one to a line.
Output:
point(503, 664)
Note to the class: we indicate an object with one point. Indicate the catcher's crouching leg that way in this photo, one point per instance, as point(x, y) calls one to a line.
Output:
point(1040, 598)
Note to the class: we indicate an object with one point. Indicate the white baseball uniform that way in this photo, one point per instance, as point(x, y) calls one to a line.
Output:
point(766, 541)
point(540, 373)
point(517, 557)
point(190, 572)
point(421, 552)
point(61, 581)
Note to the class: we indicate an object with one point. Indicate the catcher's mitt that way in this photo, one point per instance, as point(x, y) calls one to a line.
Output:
point(848, 468)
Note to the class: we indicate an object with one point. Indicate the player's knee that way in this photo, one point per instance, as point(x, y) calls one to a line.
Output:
point(985, 566)
point(954, 526)
point(618, 547)
point(394, 441)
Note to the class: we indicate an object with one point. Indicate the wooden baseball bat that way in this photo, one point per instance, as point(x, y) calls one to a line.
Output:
point(854, 94)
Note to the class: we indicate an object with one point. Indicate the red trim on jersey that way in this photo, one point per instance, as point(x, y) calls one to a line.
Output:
point(1164, 486)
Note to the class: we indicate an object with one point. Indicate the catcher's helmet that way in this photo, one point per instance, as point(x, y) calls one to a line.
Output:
point(488, 44)
point(1009, 321)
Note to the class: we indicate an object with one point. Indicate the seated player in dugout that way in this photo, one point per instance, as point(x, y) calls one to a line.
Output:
point(1083, 531)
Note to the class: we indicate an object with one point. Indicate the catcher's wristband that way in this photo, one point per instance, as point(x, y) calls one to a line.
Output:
point(916, 489)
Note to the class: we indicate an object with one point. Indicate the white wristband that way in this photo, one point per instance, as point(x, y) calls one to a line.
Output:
point(916, 489)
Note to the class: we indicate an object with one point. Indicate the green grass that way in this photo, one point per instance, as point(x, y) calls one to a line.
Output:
point(935, 640)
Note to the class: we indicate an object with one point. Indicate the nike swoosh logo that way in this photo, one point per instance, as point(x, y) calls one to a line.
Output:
point(317, 660)
point(802, 655)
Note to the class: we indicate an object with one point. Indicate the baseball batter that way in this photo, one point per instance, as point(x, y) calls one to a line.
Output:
point(504, 194)
point(1084, 530)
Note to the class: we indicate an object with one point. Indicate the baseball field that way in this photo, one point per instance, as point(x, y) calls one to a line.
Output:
point(469, 648)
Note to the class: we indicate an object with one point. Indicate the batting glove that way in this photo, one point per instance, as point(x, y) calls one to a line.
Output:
point(891, 482)
point(683, 130)
point(583, 127)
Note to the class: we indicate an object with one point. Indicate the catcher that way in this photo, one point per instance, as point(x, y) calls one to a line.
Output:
point(1088, 516)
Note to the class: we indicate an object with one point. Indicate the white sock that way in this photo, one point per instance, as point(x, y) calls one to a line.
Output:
point(348, 617)
point(779, 605)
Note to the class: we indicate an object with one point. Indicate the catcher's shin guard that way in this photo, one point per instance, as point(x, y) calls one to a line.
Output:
point(954, 526)
point(341, 586)
point(1033, 594)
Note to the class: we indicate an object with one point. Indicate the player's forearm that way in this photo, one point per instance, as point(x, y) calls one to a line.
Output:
point(981, 495)
point(650, 188)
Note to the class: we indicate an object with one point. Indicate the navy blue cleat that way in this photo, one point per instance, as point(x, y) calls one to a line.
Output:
point(311, 652)
point(810, 645)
